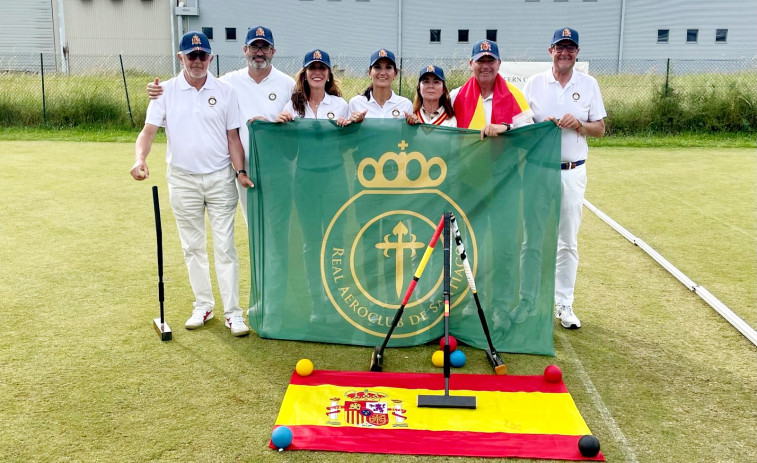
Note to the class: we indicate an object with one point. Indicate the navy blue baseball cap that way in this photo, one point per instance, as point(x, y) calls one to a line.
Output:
point(194, 41)
point(316, 56)
point(382, 54)
point(432, 69)
point(485, 48)
point(565, 34)
point(259, 33)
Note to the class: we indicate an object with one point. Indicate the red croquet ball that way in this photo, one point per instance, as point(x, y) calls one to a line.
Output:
point(553, 374)
point(452, 343)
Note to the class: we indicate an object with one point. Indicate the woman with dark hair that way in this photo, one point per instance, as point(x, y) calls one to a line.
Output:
point(316, 93)
point(432, 104)
point(379, 100)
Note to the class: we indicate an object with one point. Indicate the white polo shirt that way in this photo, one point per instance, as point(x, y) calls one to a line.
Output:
point(580, 97)
point(196, 122)
point(395, 107)
point(266, 98)
point(332, 107)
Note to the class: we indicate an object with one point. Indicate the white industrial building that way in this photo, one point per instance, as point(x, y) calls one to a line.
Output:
point(616, 30)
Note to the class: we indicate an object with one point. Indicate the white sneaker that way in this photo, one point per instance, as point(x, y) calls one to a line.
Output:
point(237, 325)
point(567, 318)
point(198, 318)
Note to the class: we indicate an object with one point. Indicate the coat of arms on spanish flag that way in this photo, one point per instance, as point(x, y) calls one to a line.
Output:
point(517, 416)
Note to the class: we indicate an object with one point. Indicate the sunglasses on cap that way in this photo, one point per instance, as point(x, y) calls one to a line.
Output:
point(198, 54)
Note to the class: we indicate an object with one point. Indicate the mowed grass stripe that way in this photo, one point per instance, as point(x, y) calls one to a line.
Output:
point(85, 377)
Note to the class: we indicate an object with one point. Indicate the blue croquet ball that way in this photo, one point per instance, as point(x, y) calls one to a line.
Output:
point(457, 358)
point(281, 437)
point(588, 446)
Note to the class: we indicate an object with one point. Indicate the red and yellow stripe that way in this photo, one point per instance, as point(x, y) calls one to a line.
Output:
point(523, 416)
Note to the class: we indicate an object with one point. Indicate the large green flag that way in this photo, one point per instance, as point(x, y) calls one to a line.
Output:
point(340, 217)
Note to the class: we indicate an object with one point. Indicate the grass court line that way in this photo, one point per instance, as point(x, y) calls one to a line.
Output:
point(596, 399)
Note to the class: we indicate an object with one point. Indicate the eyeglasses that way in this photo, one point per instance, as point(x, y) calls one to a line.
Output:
point(198, 54)
point(264, 48)
point(562, 48)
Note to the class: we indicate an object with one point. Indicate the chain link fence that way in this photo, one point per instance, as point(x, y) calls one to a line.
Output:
point(42, 89)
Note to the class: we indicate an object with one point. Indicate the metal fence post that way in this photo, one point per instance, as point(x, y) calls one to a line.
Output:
point(126, 89)
point(218, 66)
point(42, 72)
point(667, 78)
point(400, 76)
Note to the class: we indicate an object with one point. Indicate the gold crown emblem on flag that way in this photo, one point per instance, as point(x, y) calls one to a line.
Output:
point(430, 68)
point(566, 32)
point(259, 32)
point(382, 53)
point(365, 395)
point(402, 160)
point(196, 40)
point(485, 46)
point(317, 55)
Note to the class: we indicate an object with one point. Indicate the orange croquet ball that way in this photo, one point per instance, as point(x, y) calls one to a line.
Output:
point(304, 367)
point(438, 358)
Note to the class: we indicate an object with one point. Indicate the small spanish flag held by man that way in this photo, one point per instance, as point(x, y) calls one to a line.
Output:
point(508, 105)
point(516, 416)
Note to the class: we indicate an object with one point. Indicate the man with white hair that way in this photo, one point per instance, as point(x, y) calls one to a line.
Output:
point(571, 100)
point(205, 159)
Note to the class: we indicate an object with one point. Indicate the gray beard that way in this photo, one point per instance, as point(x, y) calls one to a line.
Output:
point(255, 65)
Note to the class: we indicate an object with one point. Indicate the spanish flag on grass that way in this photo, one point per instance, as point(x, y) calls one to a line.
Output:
point(516, 416)
point(509, 106)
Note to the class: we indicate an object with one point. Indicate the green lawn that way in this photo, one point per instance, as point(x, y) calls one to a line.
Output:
point(657, 374)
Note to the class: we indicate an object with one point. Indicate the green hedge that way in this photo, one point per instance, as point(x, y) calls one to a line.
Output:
point(645, 104)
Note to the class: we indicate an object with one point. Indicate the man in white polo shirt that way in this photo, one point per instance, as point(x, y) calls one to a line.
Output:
point(572, 101)
point(205, 158)
point(262, 90)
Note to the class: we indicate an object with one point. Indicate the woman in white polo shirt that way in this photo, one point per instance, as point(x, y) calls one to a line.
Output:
point(319, 181)
point(316, 93)
point(432, 104)
point(379, 100)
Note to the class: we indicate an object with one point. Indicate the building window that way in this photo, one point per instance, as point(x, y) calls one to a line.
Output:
point(528, 1)
point(436, 35)
point(692, 35)
point(561, 0)
point(663, 35)
point(208, 31)
point(491, 34)
point(590, 0)
point(721, 35)
point(462, 35)
point(231, 33)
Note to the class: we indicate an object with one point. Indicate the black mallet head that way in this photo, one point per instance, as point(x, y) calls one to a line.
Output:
point(162, 329)
point(588, 445)
point(377, 359)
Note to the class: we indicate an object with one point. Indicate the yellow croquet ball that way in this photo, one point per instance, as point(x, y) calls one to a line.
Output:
point(438, 358)
point(304, 367)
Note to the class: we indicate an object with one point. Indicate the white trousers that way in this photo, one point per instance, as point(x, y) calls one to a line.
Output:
point(191, 194)
point(571, 208)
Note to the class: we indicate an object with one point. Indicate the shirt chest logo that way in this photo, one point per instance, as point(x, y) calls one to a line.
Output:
point(576, 96)
point(272, 96)
point(396, 113)
point(212, 101)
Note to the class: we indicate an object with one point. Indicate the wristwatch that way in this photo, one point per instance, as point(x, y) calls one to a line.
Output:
point(241, 171)
point(509, 126)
